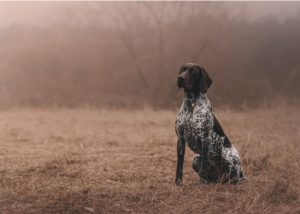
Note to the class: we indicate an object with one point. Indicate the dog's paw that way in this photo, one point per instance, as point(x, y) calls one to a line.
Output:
point(204, 181)
point(178, 182)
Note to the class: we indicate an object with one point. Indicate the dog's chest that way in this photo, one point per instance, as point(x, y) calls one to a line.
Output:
point(194, 124)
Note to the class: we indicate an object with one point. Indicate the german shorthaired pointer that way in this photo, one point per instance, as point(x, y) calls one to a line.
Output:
point(196, 125)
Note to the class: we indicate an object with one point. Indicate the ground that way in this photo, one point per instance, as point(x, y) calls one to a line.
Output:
point(120, 161)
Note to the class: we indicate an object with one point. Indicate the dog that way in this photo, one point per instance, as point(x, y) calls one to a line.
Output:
point(217, 160)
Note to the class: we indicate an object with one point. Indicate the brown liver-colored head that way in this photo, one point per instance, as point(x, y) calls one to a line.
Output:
point(193, 78)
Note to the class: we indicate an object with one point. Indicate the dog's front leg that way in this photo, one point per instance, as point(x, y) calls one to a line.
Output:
point(180, 159)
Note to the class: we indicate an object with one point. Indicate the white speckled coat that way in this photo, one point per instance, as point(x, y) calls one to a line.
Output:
point(195, 127)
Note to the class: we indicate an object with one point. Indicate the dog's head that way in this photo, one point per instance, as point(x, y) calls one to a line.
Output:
point(193, 78)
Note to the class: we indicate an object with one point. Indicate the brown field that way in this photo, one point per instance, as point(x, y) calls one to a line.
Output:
point(118, 161)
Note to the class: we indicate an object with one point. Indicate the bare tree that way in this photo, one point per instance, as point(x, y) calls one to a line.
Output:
point(125, 32)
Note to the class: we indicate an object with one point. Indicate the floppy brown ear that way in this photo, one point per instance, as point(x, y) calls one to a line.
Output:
point(205, 81)
point(181, 68)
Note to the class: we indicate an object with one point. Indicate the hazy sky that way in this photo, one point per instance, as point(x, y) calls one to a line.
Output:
point(30, 12)
point(39, 13)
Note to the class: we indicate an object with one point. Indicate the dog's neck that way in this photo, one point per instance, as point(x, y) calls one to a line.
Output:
point(193, 96)
point(190, 99)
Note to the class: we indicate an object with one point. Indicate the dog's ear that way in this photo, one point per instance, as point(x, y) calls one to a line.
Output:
point(205, 80)
point(182, 68)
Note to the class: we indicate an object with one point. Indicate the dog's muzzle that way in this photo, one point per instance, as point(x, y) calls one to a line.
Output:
point(180, 82)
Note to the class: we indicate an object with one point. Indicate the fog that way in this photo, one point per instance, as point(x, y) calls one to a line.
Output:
point(127, 54)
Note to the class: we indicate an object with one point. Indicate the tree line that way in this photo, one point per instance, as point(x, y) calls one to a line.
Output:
point(129, 54)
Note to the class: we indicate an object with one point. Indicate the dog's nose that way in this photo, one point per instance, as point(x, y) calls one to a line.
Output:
point(180, 81)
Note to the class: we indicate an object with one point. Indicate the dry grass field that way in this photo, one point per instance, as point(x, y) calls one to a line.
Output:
point(118, 161)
